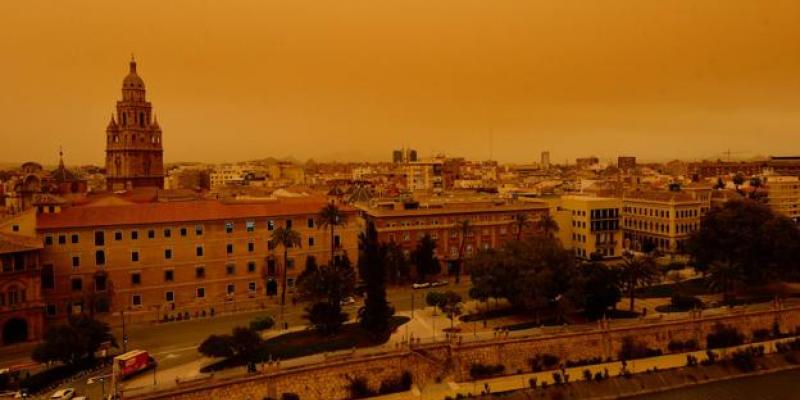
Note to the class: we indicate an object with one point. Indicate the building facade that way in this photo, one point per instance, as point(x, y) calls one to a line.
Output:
point(589, 226)
point(491, 225)
point(783, 195)
point(181, 259)
point(21, 305)
point(663, 220)
point(134, 154)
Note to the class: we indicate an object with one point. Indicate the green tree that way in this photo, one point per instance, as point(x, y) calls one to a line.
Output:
point(521, 221)
point(287, 238)
point(547, 225)
point(465, 229)
point(597, 289)
point(398, 267)
point(330, 216)
point(450, 304)
point(74, 342)
point(638, 271)
point(326, 288)
point(425, 258)
point(242, 344)
point(376, 314)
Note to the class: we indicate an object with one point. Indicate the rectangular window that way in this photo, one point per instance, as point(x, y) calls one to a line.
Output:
point(48, 240)
point(251, 247)
point(198, 230)
point(201, 292)
point(198, 251)
point(270, 225)
point(151, 234)
point(167, 254)
point(75, 238)
point(51, 310)
point(118, 235)
point(100, 257)
point(136, 300)
point(230, 269)
point(100, 283)
point(99, 238)
point(251, 266)
point(251, 286)
point(230, 289)
point(15, 228)
point(310, 241)
point(184, 231)
point(167, 232)
point(169, 275)
point(76, 284)
point(288, 224)
point(229, 248)
point(134, 235)
point(169, 296)
point(337, 241)
point(48, 277)
point(250, 226)
point(136, 278)
point(200, 272)
point(290, 263)
point(311, 222)
point(229, 227)
point(135, 256)
point(62, 239)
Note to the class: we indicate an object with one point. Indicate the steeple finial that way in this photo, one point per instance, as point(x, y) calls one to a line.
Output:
point(133, 64)
point(61, 157)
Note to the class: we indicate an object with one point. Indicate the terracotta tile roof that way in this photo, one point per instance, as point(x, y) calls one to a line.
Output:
point(174, 212)
point(15, 243)
point(456, 210)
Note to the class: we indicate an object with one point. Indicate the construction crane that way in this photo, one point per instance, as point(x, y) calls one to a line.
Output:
point(728, 153)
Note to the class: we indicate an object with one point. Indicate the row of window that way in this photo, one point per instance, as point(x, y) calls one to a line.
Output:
point(12, 296)
point(76, 283)
point(450, 220)
point(653, 212)
point(200, 293)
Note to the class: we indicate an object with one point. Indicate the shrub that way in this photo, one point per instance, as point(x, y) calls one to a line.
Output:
point(532, 382)
point(359, 389)
point(543, 362)
point(290, 396)
point(711, 358)
point(587, 375)
point(685, 302)
point(724, 336)
point(745, 359)
point(677, 346)
point(691, 360)
point(598, 376)
point(760, 335)
point(478, 370)
point(557, 378)
point(583, 361)
point(632, 349)
point(262, 323)
point(790, 358)
point(401, 383)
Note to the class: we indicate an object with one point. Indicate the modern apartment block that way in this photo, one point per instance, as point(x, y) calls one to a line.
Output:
point(162, 259)
point(589, 225)
point(783, 195)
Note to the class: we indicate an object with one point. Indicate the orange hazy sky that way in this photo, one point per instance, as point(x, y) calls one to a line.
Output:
point(347, 80)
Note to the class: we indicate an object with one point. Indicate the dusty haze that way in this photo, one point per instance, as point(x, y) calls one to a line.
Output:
point(235, 80)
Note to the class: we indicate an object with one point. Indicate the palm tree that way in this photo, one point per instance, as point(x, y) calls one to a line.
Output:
point(638, 271)
point(465, 227)
point(548, 225)
point(287, 238)
point(330, 216)
point(521, 220)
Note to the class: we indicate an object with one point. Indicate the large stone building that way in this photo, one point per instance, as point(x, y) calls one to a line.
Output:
point(663, 220)
point(187, 258)
point(492, 223)
point(589, 226)
point(21, 306)
point(134, 154)
point(783, 195)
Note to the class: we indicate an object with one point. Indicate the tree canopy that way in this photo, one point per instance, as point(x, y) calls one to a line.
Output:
point(78, 340)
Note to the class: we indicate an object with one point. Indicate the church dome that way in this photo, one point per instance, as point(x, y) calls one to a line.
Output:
point(133, 81)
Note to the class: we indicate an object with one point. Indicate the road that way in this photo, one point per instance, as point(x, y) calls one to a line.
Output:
point(174, 344)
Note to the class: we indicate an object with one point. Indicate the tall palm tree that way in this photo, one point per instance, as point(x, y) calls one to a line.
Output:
point(330, 216)
point(287, 238)
point(521, 220)
point(465, 227)
point(638, 271)
point(548, 225)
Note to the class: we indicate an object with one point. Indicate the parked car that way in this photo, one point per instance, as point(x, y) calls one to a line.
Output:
point(439, 283)
point(63, 394)
point(421, 285)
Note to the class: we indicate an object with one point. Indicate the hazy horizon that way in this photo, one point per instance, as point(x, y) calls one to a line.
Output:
point(350, 80)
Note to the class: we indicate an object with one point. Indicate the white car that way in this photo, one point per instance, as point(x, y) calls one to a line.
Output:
point(439, 283)
point(421, 285)
point(63, 394)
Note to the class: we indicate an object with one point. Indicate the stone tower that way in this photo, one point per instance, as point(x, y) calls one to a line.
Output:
point(134, 156)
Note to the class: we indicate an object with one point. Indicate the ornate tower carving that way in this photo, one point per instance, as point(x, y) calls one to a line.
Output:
point(134, 156)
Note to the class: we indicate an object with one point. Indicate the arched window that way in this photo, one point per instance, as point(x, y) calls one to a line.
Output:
point(141, 119)
point(124, 119)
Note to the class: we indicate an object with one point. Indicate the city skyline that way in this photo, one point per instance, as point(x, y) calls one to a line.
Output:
point(338, 82)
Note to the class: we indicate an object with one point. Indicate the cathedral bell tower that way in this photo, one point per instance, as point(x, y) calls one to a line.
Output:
point(134, 156)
